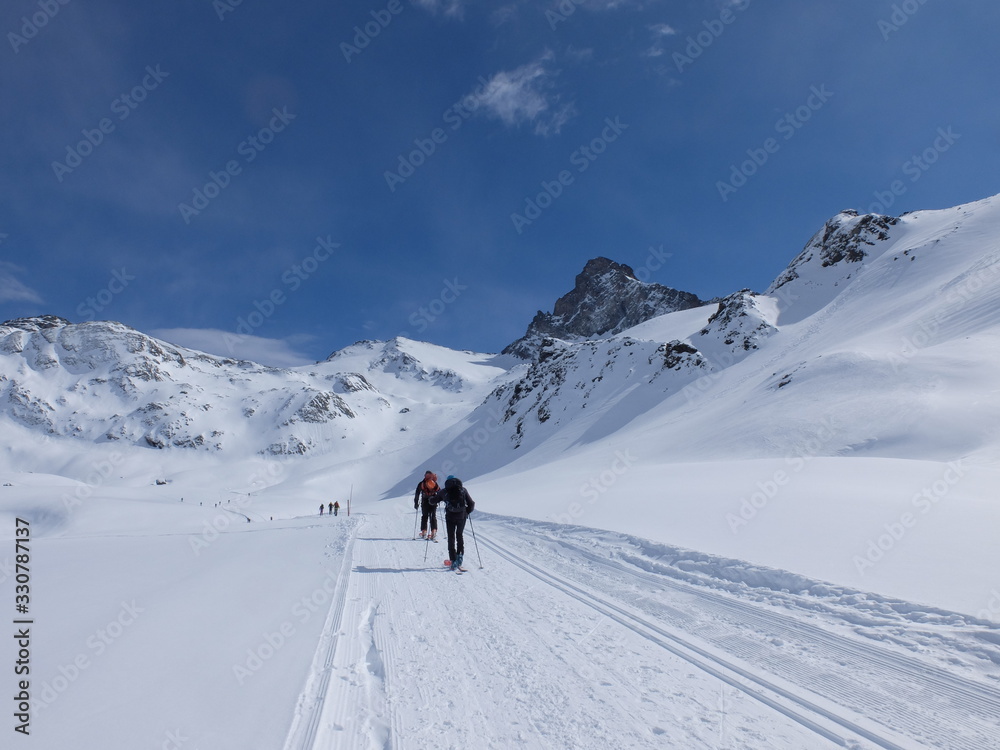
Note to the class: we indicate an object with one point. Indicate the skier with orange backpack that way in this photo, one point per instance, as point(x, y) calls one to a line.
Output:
point(423, 498)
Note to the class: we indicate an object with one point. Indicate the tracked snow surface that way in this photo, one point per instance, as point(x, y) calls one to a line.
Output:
point(764, 523)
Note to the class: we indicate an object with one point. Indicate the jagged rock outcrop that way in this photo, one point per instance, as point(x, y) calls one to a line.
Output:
point(739, 324)
point(844, 238)
point(607, 299)
point(568, 377)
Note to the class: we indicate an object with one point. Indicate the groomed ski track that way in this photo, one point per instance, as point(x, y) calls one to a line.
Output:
point(574, 638)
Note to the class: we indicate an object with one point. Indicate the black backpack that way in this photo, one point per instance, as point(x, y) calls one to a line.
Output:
point(454, 496)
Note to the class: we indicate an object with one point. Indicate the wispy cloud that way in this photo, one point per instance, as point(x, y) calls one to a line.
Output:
point(526, 94)
point(660, 32)
point(13, 289)
point(265, 351)
point(454, 8)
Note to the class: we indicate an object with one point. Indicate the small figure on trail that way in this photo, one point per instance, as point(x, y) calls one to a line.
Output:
point(458, 506)
point(336, 509)
point(331, 507)
point(424, 498)
point(321, 508)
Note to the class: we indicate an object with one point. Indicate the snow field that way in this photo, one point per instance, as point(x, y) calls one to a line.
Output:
point(338, 633)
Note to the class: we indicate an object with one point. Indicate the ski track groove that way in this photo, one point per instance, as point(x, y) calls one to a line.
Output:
point(303, 733)
point(807, 713)
point(378, 661)
point(913, 678)
point(369, 686)
point(908, 687)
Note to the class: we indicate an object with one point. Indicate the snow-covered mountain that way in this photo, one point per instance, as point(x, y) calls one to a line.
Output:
point(102, 382)
point(876, 341)
point(875, 328)
point(781, 504)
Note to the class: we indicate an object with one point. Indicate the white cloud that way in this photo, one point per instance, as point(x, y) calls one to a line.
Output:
point(454, 8)
point(265, 351)
point(525, 95)
point(12, 289)
point(660, 32)
point(662, 29)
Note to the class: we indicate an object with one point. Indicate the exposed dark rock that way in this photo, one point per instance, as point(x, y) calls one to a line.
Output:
point(607, 299)
point(845, 237)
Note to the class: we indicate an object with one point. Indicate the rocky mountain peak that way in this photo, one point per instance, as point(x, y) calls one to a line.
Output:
point(36, 323)
point(606, 299)
point(846, 238)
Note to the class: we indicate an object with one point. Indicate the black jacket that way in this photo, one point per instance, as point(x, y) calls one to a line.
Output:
point(428, 500)
point(462, 502)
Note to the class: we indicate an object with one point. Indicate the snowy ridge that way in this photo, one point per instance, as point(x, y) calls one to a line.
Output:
point(104, 382)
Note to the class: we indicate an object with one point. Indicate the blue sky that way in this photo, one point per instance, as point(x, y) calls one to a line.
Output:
point(276, 181)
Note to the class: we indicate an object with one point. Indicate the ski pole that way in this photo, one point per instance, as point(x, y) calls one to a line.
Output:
point(416, 511)
point(427, 542)
point(473, 529)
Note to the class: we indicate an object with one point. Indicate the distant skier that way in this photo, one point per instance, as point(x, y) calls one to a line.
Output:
point(336, 509)
point(458, 506)
point(424, 498)
point(321, 508)
point(331, 507)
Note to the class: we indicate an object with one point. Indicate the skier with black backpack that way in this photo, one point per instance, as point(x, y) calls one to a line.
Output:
point(458, 506)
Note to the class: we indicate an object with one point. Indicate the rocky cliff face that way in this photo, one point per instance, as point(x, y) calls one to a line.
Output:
point(844, 240)
point(607, 299)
